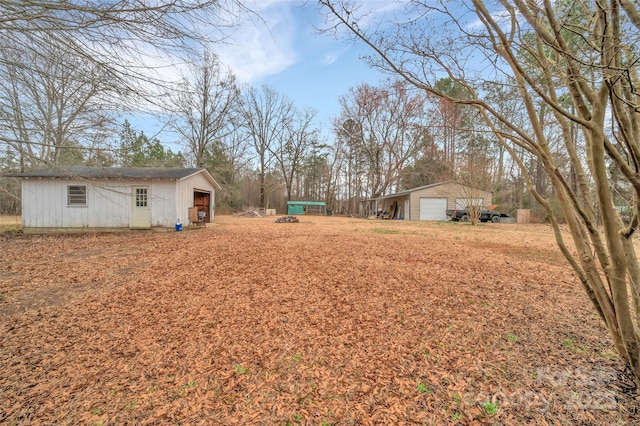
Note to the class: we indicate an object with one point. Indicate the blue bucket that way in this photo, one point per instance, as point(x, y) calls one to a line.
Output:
point(178, 227)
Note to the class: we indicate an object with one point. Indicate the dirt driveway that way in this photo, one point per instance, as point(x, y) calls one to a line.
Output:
point(328, 321)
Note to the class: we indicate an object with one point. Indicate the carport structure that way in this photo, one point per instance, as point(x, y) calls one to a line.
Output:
point(429, 202)
point(306, 207)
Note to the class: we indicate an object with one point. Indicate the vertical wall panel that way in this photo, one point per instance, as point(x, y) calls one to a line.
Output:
point(109, 202)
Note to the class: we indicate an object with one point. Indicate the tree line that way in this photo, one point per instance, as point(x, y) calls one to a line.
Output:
point(255, 141)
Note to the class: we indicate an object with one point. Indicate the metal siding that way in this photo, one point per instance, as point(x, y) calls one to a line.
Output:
point(295, 209)
point(108, 204)
point(28, 196)
point(462, 203)
point(44, 203)
point(162, 199)
point(184, 200)
point(449, 190)
point(433, 208)
point(213, 203)
point(111, 204)
point(184, 195)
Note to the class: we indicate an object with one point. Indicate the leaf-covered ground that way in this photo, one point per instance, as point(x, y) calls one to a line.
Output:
point(328, 321)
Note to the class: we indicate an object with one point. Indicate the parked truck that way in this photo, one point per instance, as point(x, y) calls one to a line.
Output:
point(485, 215)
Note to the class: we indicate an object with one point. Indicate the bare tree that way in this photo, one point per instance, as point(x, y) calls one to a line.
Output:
point(205, 109)
point(575, 58)
point(351, 161)
point(115, 35)
point(113, 46)
point(266, 116)
point(289, 151)
point(51, 102)
point(385, 123)
point(470, 194)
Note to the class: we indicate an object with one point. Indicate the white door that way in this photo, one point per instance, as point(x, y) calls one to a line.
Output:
point(407, 212)
point(433, 209)
point(140, 213)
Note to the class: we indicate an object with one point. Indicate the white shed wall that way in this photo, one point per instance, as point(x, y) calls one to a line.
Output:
point(44, 203)
point(184, 195)
point(162, 194)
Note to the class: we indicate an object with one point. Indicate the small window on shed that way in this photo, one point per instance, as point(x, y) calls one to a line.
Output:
point(76, 195)
point(141, 197)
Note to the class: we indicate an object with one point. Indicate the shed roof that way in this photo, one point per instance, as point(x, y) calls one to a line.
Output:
point(85, 172)
point(307, 203)
point(409, 191)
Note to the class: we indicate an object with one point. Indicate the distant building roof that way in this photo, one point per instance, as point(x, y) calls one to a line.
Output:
point(408, 191)
point(307, 203)
point(116, 173)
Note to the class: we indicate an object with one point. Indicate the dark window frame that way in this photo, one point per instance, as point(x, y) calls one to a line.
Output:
point(76, 195)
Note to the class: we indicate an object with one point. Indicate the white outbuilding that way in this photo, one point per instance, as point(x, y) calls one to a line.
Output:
point(115, 198)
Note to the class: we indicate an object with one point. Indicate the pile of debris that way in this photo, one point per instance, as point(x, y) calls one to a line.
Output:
point(286, 219)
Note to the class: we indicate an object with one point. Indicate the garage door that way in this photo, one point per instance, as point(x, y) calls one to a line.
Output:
point(433, 209)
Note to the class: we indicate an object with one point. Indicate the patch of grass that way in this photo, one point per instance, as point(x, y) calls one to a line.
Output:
point(384, 231)
point(11, 230)
point(609, 355)
point(423, 388)
point(490, 408)
point(191, 384)
point(183, 389)
point(239, 369)
point(296, 357)
point(571, 344)
point(96, 411)
point(457, 399)
point(456, 416)
point(512, 338)
point(130, 406)
point(151, 389)
point(425, 351)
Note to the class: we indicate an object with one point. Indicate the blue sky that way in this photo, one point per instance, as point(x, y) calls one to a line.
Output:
point(284, 50)
point(287, 53)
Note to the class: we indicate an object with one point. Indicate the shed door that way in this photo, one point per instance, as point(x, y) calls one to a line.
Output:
point(433, 209)
point(202, 202)
point(140, 212)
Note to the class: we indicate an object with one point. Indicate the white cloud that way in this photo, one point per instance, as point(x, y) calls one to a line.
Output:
point(261, 45)
point(330, 57)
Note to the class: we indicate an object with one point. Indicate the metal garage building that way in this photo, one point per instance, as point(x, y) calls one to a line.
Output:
point(429, 202)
